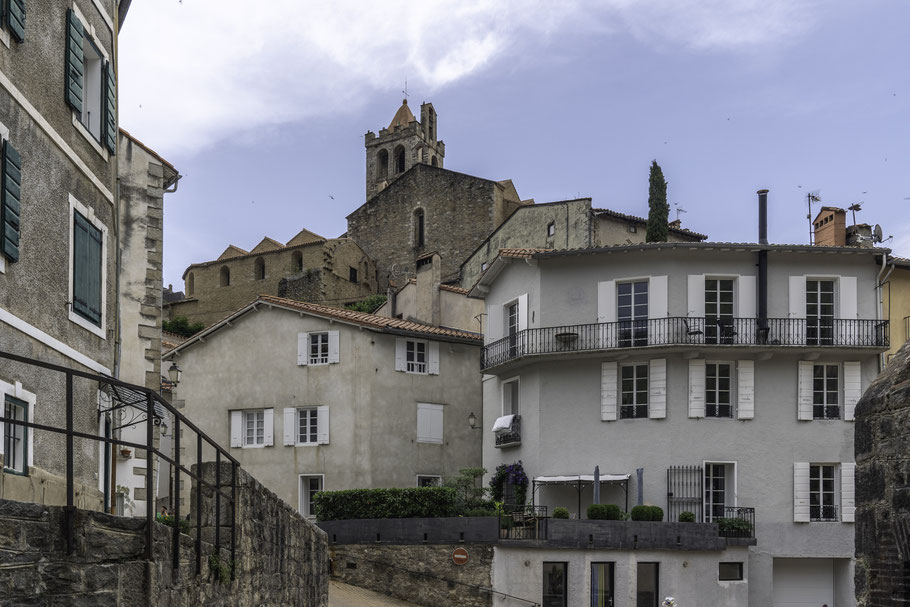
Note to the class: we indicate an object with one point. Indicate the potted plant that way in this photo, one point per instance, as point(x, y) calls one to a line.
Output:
point(126, 453)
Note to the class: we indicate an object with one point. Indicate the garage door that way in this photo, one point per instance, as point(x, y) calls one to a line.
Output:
point(803, 582)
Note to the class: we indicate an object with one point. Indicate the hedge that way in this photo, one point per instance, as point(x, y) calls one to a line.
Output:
point(686, 517)
point(647, 513)
point(415, 502)
point(604, 512)
point(560, 512)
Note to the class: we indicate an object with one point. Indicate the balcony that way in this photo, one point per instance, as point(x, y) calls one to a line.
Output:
point(737, 522)
point(510, 437)
point(683, 331)
point(826, 513)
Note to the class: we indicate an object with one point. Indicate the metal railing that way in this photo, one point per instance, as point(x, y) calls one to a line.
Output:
point(736, 522)
point(510, 437)
point(527, 522)
point(152, 403)
point(823, 513)
point(684, 331)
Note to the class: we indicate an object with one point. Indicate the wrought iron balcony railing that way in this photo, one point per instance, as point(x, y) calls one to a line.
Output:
point(510, 437)
point(736, 522)
point(826, 513)
point(683, 331)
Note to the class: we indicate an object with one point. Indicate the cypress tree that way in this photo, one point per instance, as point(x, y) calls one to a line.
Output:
point(658, 209)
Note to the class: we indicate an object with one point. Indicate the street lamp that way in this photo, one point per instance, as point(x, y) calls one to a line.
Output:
point(472, 421)
point(174, 373)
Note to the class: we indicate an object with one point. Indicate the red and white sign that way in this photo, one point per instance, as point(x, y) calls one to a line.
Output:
point(459, 556)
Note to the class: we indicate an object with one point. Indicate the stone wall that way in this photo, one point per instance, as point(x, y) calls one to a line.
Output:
point(422, 574)
point(883, 488)
point(280, 560)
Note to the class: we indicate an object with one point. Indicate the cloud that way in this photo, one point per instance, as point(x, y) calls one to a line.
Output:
point(197, 72)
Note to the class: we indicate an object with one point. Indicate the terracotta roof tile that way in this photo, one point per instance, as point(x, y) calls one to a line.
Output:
point(619, 215)
point(521, 253)
point(452, 289)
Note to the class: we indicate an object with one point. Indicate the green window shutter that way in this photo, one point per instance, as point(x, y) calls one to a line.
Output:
point(10, 205)
point(75, 61)
point(15, 19)
point(86, 269)
point(109, 125)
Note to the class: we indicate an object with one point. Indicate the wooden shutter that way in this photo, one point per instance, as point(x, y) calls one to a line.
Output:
point(606, 301)
point(608, 391)
point(797, 299)
point(333, 347)
point(658, 304)
point(303, 349)
point(290, 426)
point(746, 297)
point(804, 397)
point(268, 422)
point(847, 302)
point(15, 19)
point(433, 358)
point(400, 354)
point(696, 296)
point(109, 121)
point(10, 201)
point(852, 388)
point(848, 492)
point(523, 312)
point(657, 388)
point(236, 428)
point(86, 269)
point(801, 492)
point(697, 387)
point(322, 425)
point(494, 322)
point(745, 389)
point(429, 423)
point(75, 61)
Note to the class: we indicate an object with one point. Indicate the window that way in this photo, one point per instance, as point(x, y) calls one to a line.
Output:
point(190, 283)
point(718, 389)
point(429, 423)
point(15, 22)
point(93, 63)
point(416, 356)
point(819, 312)
point(418, 228)
point(319, 348)
point(429, 480)
point(382, 165)
point(10, 194)
point(352, 275)
point(510, 397)
point(602, 584)
point(825, 390)
point(719, 311)
point(297, 262)
point(634, 391)
point(433, 161)
point(399, 160)
point(310, 485)
point(715, 491)
point(512, 317)
point(308, 426)
point(259, 269)
point(225, 276)
point(254, 428)
point(729, 572)
point(633, 228)
point(632, 313)
point(483, 267)
point(822, 506)
point(88, 270)
point(555, 585)
point(551, 228)
point(15, 437)
point(647, 587)
point(90, 86)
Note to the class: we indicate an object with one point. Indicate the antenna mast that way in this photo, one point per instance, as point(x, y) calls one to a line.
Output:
point(810, 198)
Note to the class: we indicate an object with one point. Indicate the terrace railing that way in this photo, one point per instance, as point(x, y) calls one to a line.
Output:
point(686, 331)
point(527, 522)
point(737, 522)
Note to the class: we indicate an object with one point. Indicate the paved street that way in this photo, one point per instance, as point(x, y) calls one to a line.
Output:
point(344, 595)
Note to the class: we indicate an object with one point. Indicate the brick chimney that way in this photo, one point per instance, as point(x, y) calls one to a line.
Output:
point(830, 227)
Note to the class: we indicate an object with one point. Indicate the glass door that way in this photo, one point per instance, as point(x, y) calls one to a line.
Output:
point(632, 313)
point(602, 584)
point(719, 311)
point(715, 491)
point(512, 327)
point(819, 312)
point(555, 589)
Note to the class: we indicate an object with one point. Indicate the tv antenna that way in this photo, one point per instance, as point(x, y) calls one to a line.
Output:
point(877, 233)
point(405, 91)
point(856, 206)
point(813, 196)
point(679, 210)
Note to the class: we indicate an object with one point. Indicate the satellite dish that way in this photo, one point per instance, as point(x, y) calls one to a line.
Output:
point(877, 233)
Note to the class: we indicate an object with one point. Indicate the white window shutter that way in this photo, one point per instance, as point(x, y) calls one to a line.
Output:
point(429, 423)
point(848, 492)
point(746, 297)
point(608, 391)
point(797, 297)
point(290, 426)
point(852, 389)
point(847, 300)
point(658, 303)
point(433, 358)
point(801, 492)
point(804, 398)
point(303, 348)
point(400, 354)
point(745, 389)
point(236, 428)
point(333, 347)
point(494, 322)
point(657, 388)
point(606, 301)
point(523, 312)
point(268, 421)
point(697, 387)
point(696, 296)
point(322, 425)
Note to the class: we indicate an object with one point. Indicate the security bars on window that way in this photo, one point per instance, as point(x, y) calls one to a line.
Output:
point(416, 357)
point(319, 348)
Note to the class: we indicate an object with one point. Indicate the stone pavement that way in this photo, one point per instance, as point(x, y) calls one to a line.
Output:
point(344, 595)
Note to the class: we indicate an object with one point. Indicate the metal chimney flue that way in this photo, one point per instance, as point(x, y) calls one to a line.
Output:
point(763, 217)
point(763, 266)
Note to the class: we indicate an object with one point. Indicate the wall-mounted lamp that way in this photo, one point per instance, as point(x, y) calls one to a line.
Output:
point(174, 373)
point(472, 421)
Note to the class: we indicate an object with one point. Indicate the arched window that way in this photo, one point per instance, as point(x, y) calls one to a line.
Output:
point(225, 276)
point(418, 228)
point(259, 269)
point(433, 161)
point(190, 284)
point(382, 164)
point(399, 159)
point(297, 262)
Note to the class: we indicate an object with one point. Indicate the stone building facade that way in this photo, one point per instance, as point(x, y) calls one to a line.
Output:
point(332, 271)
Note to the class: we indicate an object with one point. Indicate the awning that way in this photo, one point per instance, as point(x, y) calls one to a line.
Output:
point(122, 396)
point(580, 478)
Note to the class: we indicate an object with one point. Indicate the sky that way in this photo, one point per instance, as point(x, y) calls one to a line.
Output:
point(263, 106)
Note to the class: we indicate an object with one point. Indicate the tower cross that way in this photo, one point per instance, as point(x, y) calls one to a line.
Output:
point(405, 91)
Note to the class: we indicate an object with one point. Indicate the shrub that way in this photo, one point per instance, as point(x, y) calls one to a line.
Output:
point(368, 305)
point(686, 517)
point(423, 502)
point(468, 494)
point(657, 513)
point(641, 513)
point(479, 512)
point(734, 527)
point(604, 512)
point(513, 474)
point(560, 512)
point(182, 326)
point(168, 519)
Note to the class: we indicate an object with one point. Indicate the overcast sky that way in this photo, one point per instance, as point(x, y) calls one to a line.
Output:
point(262, 106)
